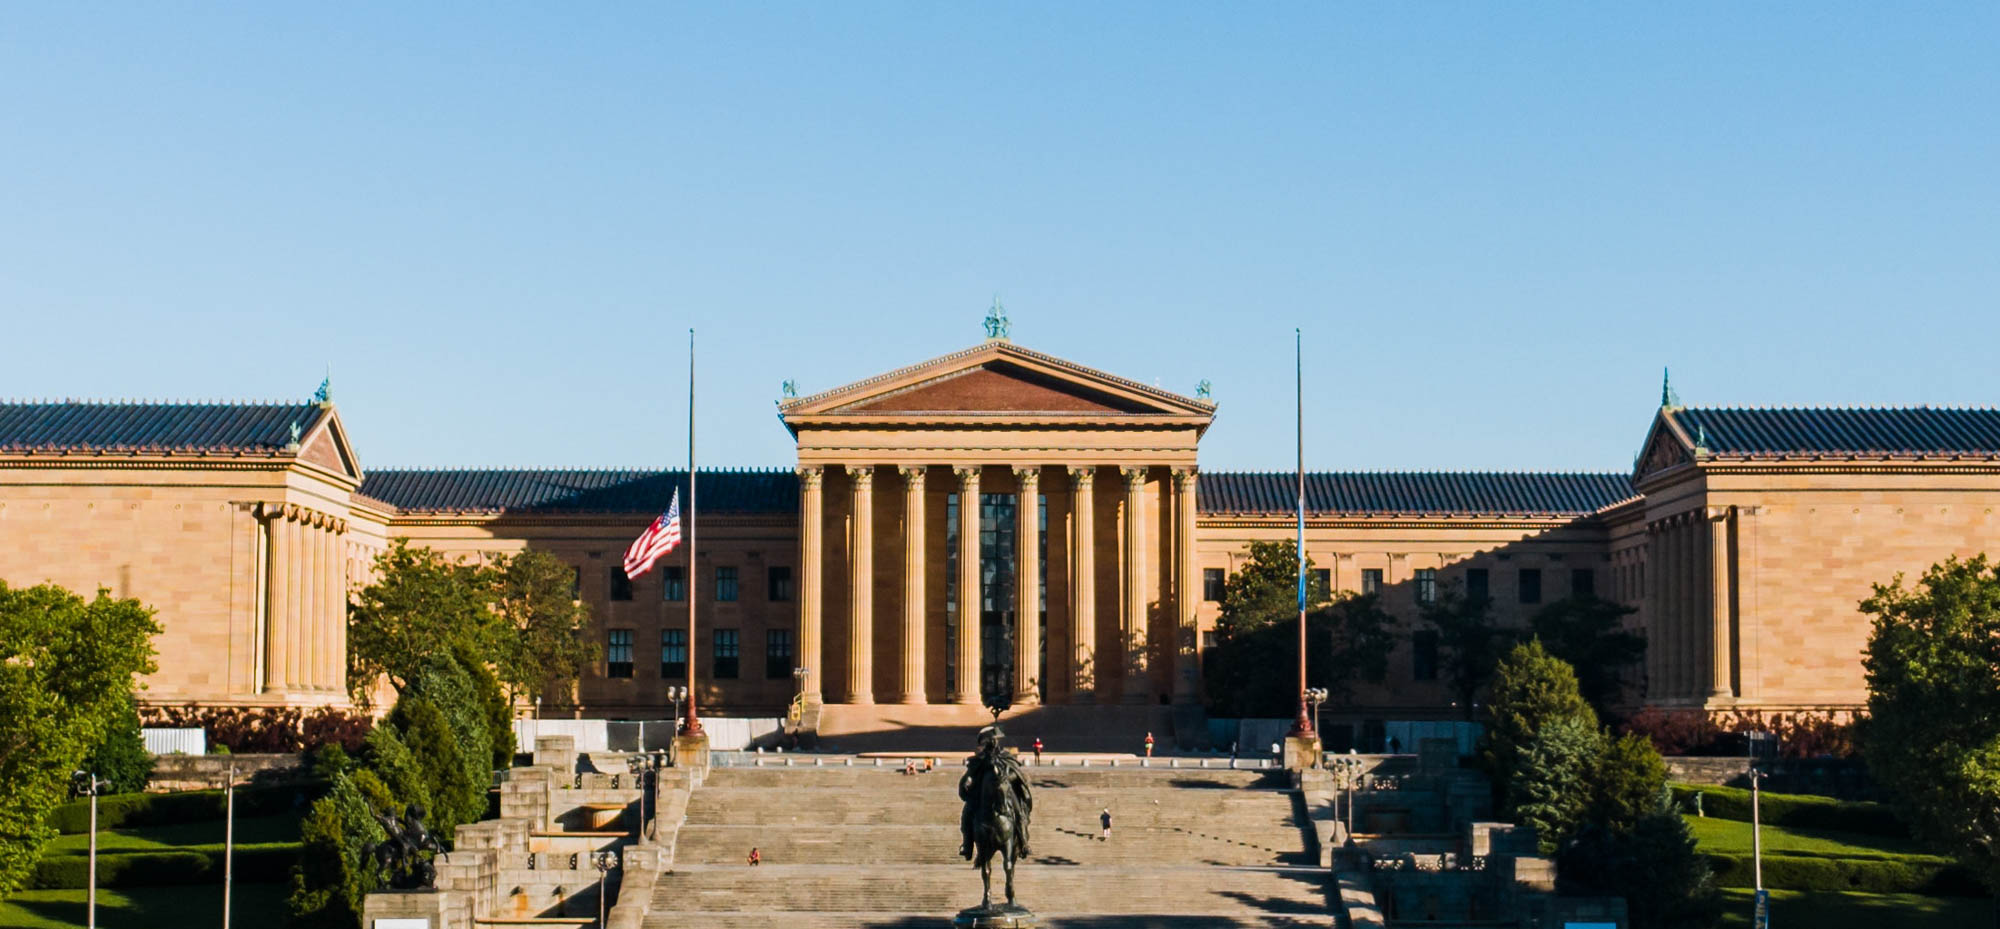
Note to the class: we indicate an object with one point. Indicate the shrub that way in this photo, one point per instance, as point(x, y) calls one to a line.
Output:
point(389, 760)
point(278, 730)
point(332, 876)
point(1699, 732)
point(1900, 874)
point(1796, 811)
point(254, 863)
point(1654, 866)
point(1627, 783)
point(1551, 789)
point(137, 810)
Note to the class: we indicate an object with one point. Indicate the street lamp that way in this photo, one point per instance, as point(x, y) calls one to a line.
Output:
point(603, 860)
point(1757, 745)
point(84, 782)
point(1316, 696)
point(677, 693)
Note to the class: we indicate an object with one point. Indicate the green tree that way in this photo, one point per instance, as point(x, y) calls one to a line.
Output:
point(1531, 689)
point(421, 604)
point(1361, 634)
point(1654, 866)
point(389, 759)
point(1468, 642)
point(1551, 788)
point(120, 757)
point(1253, 672)
point(495, 712)
point(1590, 634)
point(547, 648)
point(1932, 734)
point(333, 872)
point(66, 673)
point(1265, 590)
point(1628, 783)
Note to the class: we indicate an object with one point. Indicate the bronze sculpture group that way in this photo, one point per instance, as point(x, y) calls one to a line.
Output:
point(998, 804)
point(399, 860)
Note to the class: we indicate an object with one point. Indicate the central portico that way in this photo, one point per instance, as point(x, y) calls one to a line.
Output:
point(997, 525)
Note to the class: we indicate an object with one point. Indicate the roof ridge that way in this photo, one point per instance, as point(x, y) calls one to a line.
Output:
point(1792, 408)
point(91, 401)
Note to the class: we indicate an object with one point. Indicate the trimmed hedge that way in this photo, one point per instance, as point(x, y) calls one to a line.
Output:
point(255, 863)
point(127, 811)
point(1795, 811)
point(1907, 874)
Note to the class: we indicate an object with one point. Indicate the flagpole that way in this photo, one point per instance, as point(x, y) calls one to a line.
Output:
point(1302, 726)
point(691, 726)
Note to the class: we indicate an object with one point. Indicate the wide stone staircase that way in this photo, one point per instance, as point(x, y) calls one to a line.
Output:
point(867, 847)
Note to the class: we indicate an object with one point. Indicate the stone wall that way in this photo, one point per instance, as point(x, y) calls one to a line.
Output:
point(1726, 772)
point(210, 772)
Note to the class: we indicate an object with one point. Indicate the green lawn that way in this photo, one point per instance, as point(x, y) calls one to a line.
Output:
point(199, 836)
point(1730, 837)
point(255, 905)
point(1859, 911)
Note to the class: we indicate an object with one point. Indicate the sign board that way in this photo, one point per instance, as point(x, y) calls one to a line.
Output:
point(402, 923)
point(1760, 912)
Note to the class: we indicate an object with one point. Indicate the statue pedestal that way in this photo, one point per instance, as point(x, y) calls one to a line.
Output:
point(406, 909)
point(1301, 752)
point(997, 916)
point(691, 752)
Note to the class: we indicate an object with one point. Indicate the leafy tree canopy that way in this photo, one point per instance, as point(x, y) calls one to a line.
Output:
point(1532, 691)
point(66, 675)
point(120, 757)
point(1253, 672)
point(547, 651)
point(1265, 590)
point(1932, 735)
point(1468, 642)
point(1590, 634)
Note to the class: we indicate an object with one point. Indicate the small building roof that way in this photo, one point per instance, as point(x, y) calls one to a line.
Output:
point(1909, 431)
point(554, 490)
point(1414, 493)
point(96, 426)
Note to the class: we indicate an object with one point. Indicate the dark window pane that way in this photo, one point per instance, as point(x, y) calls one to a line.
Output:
point(621, 586)
point(725, 585)
point(1323, 579)
point(576, 583)
point(1427, 585)
point(1476, 584)
point(1582, 582)
point(1371, 581)
point(777, 653)
point(673, 584)
point(618, 653)
point(1212, 583)
point(726, 654)
point(1424, 656)
point(778, 579)
point(673, 654)
point(1531, 585)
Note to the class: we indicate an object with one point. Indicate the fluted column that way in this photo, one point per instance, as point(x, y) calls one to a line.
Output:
point(306, 641)
point(1694, 609)
point(1656, 639)
point(861, 600)
point(1719, 597)
point(322, 596)
point(1670, 591)
point(1028, 586)
point(1083, 588)
point(277, 604)
point(337, 653)
point(967, 692)
point(913, 584)
point(1187, 588)
point(812, 527)
point(1137, 690)
point(297, 663)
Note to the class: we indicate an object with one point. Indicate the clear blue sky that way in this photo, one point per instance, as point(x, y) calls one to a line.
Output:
point(1495, 222)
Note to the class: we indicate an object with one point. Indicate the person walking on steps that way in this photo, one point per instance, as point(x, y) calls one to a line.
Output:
point(1038, 749)
point(756, 857)
point(1149, 745)
point(1104, 821)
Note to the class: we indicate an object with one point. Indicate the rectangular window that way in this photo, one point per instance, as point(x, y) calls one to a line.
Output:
point(1324, 578)
point(1212, 583)
point(673, 654)
point(575, 583)
point(725, 585)
point(778, 654)
point(1208, 639)
point(621, 586)
point(673, 584)
point(618, 653)
point(1371, 580)
point(1424, 656)
point(1476, 584)
point(726, 654)
point(1427, 585)
point(1582, 582)
point(778, 583)
point(1531, 585)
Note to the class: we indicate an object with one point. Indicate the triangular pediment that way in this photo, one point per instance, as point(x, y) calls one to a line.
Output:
point(1666, 446)
point(996, 378)
point(325, 445)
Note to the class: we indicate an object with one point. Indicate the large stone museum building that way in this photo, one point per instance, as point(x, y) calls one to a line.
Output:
point(999, 523)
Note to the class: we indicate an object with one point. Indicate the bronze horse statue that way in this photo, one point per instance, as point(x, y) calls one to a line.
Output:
point(998, 806)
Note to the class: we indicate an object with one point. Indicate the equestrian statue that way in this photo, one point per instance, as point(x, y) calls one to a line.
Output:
point(998, 803)
point(399, 861)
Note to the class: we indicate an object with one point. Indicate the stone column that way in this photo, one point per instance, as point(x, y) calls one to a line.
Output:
point(1719, 597)
point(812, 528)
point(1028, 586)
point(967, 692)
point(861, 587)
point(913, 584)
point(305, 641)
point(278, 599)
point(338, 652)
point(1670, 591)
point(1137, 689)
point(1083, 589)
point(1656, 681)
point(297, 664)
point(1187, 589)
point(1694, 609)
point(322, 599)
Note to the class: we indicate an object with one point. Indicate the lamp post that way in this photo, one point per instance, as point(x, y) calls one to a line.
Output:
point(85, 782)
point(677, 693)
point(228, 843)
point(1316, 696)
point(1757, 745)
point(603, 860)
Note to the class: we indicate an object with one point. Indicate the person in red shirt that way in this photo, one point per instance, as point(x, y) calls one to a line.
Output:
point(1149, 745)
point(756, 858)
point(1038, 749)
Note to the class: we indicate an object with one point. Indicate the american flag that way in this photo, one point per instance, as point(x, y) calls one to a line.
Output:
point(658, 539)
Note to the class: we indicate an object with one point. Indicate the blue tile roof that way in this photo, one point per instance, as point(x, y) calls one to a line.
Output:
point(1414, 493)
point(579, 491)
point(1910, 431)
point(85, 426)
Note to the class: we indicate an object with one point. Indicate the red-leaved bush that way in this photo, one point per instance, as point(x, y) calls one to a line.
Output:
point(280, 730)
point(1827, 734)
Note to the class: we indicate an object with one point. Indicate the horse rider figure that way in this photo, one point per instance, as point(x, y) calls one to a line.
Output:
point(997, 807)
point(397, 858)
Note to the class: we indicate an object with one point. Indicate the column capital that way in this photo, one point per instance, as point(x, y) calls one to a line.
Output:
point(1184, 477)
point(968, 475)
point(811, 476)
point(1134, 477)
point(1719, 513)
point(1028, 475)
point(862, 475)
point(912, 474)
point(1082, 475)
